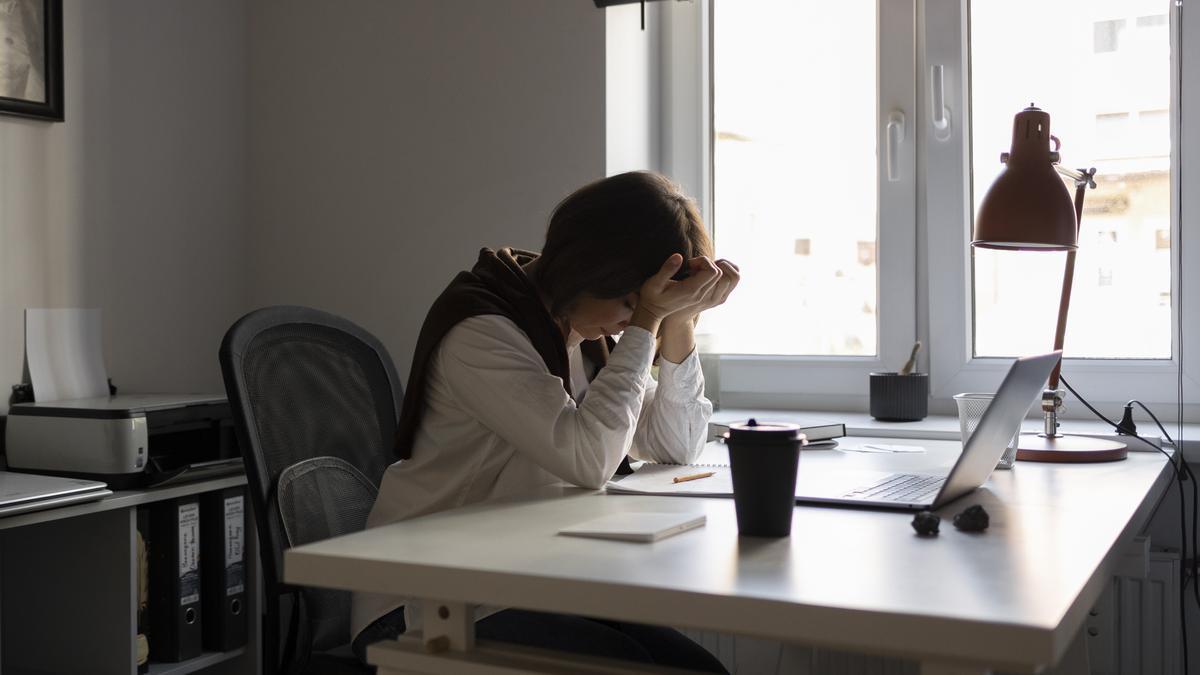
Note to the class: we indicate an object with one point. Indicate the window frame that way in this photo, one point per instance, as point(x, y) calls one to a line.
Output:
point(954, 368)
point(924, 271)
point(686, 151)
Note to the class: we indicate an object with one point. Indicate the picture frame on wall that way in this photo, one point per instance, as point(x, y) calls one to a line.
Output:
point(31, 59)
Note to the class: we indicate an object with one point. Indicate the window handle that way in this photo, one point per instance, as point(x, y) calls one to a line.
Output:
point(940, 116)
point(895, 136)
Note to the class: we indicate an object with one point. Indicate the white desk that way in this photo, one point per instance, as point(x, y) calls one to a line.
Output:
point(1011, 598)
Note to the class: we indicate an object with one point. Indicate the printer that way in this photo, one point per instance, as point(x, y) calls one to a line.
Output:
point(127, 441)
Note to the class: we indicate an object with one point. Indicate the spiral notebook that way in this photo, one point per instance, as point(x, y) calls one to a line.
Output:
point(659, 479)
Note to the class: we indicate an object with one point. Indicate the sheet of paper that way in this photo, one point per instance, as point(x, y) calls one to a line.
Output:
point(881, 448)
point(658, 479)
point(65, 354)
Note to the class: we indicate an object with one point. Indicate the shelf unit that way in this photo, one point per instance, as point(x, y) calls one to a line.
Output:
point(68, 589)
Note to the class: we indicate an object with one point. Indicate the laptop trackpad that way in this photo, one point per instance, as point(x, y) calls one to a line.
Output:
point(835, 484)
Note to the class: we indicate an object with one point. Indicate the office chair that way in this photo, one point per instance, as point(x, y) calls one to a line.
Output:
point(315, 400)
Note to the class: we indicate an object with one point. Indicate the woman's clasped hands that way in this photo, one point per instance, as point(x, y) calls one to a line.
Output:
point(664, 300)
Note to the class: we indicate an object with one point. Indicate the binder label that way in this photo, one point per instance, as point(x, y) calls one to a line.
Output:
point(189, 553)
point(234, 545)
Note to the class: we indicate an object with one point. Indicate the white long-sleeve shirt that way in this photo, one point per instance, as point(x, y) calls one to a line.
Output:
point(497, 423)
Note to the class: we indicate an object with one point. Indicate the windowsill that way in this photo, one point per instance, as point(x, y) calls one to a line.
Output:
point(933, 427)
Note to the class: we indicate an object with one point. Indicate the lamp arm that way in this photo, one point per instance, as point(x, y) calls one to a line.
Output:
point(1084, 178)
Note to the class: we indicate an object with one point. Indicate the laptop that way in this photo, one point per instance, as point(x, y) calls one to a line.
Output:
point(917, 491)
point(24, 492)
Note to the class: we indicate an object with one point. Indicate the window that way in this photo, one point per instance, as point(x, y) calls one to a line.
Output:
point(1162, 239)
point(1106, 35)
point(798, 137)
point(1113, 135)
point(945, 82)
point(1154, 133)
point(770, 188)
point(1131, 153)
point(1153, 31)
point(1113, 103)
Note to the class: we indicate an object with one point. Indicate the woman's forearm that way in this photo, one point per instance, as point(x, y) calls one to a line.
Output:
point(678, 338)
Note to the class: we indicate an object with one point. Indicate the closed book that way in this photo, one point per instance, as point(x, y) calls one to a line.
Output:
point(814, 433)
point(222, 558)
point(643, 527)
point(175, 607)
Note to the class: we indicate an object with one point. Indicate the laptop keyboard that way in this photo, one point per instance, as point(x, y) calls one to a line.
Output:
point(900, 487)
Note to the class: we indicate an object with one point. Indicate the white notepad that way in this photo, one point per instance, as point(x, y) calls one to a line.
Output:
point(636, 526)
point(659, 479)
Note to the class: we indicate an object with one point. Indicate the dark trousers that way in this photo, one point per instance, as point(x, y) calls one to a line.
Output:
point(568, 633)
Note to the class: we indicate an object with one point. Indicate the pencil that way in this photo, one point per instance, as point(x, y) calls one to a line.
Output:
point(682, 479)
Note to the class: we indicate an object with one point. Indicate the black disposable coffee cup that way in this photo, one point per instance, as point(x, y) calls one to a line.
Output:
point(764, 458)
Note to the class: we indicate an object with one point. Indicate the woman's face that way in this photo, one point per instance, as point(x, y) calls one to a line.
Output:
point(595, 317)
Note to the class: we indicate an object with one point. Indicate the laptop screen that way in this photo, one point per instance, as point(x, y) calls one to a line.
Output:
point(1017, 393)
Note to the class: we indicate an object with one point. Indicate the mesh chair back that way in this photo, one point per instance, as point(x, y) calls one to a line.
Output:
point(321, 498)
point(302, 384)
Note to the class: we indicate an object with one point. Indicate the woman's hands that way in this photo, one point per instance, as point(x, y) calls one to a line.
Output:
point(674, 305)
point(716, 295)
point(661, 297)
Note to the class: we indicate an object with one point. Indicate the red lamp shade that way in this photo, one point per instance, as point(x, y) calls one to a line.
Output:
point(1028, 208)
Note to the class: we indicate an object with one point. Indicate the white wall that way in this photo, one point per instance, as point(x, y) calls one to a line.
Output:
point(391, 140)
point(631, 88)
point(137, 203)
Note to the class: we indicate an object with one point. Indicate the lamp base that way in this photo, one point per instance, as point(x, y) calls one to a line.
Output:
point(1040, 448)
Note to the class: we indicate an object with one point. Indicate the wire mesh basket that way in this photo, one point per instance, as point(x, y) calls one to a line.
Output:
point(970, 410)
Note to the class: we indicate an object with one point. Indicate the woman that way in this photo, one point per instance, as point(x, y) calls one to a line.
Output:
point(513, 388)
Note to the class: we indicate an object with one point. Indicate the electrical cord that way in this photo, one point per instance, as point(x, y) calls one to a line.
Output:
point(1194, 565)
point(1177, 292)
point(1182, 473)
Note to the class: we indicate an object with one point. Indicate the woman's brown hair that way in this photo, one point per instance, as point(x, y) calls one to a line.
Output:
point(607, 238)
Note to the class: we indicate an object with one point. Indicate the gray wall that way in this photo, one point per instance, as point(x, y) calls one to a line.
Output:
point(137, 203)
point(391, 140)
point(222, 155)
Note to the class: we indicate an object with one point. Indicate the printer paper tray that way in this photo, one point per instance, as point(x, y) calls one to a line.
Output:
point(196, 471)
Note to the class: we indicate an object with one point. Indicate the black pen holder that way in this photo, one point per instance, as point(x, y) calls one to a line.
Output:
point(899, 398)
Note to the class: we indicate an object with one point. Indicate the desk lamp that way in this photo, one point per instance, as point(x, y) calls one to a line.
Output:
point(1028, 208)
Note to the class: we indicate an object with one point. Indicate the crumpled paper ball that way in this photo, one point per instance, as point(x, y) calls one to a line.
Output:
point(972, 519)
point(926, 523)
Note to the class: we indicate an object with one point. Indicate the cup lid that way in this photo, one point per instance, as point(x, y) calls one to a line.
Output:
point(764, 432)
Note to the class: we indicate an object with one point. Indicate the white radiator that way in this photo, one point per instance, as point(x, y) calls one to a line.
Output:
point(1134, 628)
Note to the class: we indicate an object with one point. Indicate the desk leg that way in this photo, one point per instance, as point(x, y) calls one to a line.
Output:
point(448, 625)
